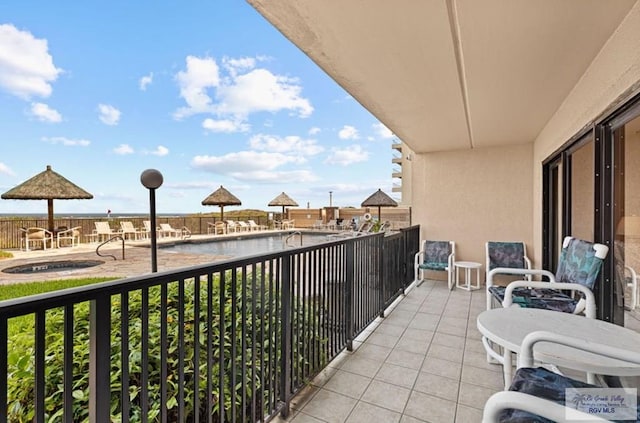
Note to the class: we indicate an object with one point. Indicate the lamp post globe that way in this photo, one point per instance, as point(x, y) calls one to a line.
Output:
point(151, 178)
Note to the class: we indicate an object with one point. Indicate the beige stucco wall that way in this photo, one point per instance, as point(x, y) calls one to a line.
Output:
point(458, 192)
point(615, 70)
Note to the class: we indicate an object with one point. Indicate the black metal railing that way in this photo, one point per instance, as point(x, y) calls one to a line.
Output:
point(231, 341)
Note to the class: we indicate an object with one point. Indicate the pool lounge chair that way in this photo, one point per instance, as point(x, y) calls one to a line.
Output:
point(244, 226)
point(102, 232)
point(128, 230)
point(255, 227)
point(166, 230)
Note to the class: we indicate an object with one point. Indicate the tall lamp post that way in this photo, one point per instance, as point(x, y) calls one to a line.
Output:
point(152, 179)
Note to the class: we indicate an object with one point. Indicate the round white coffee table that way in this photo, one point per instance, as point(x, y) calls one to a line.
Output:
point(468, 266)
point(507, 327)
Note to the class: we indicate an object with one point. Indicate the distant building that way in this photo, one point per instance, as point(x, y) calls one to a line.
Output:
point(401, 173)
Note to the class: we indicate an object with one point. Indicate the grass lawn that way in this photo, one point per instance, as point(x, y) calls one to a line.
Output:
point(7, 292)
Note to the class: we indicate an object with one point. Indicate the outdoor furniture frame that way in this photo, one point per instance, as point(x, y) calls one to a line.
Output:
point(35, 235)
point(127, 229)
point(254, 226)
point(217, 228)
point(72, 235)
point(102, 232)
point(540, 392)
point(166, 230)
point(437, 256)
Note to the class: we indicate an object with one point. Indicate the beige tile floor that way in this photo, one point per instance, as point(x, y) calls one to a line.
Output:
point(424, 362)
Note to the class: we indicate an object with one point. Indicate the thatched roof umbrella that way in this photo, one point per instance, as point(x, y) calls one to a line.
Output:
point(379, 199)
point(221, 197)
point(283, 200)
point(47, 185)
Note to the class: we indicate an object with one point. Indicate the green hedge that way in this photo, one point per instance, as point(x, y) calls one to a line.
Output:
point(267, 334)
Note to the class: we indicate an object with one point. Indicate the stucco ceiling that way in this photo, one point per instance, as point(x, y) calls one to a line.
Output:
point(452, 74)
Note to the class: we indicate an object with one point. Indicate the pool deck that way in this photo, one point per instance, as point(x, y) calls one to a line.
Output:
point(137, 258)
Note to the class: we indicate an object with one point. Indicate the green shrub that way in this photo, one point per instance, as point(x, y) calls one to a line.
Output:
point(261, 321)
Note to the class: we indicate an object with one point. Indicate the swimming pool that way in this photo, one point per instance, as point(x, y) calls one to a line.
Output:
point(247, 246)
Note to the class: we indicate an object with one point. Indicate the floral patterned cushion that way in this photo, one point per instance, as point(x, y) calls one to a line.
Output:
point(543, 298)
point(578, 263)
point(506, 254)
point(436, 255)
point(543, 384)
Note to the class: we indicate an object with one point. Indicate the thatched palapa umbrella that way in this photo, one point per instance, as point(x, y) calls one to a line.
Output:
point(47, 185)
point(379, 199)
point(221, 197)
point(283, 200)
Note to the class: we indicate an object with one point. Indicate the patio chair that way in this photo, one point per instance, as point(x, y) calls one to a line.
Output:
point(232, 226)
point(437, 256)
point(578, 268)
point(217, 228)
point(243, 226)
point(102, 232)
point(540, 395)
point(128, 230)
point(68, 235)
point(145, 231)
point(255, 227)
point(166, 230)
point(33, 236)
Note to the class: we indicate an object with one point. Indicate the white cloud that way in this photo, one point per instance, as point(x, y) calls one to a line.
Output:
point(262, 91)
point(239, 92)
point(67, 142)
point(6, 170)
point(288, 144)
point(254, 166)
point(145, 81)
point(225, 125)
point(45, 113)
point(123, 149)
point(382, 131)
point(348, 132)
point(348, 155)
point(160, 151)
point(314, 131)
point(109, 115)
point(200, 75)
point(26, 67)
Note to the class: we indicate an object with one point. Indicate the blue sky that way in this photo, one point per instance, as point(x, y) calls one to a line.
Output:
point(207, 92)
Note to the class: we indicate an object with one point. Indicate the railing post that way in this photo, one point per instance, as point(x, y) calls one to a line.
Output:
point(381, 276)
point(99, 359)
point(348, 294)
point(285, 338)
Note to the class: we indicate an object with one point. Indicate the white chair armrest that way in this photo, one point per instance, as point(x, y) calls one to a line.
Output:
point(521, 272)
point(590, 300)
point(542, 407)
point(525, 358)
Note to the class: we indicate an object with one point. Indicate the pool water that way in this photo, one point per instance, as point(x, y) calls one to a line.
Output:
point(240, 247)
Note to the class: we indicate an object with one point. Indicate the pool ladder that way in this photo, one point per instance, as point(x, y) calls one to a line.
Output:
point(113, 238)
point(291, 237)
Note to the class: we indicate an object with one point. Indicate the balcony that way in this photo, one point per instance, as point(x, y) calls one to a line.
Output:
point(234, 340)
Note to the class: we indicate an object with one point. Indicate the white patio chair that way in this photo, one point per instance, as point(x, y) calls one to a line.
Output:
point(68, 235)
point(540, 392)
point(34, 236)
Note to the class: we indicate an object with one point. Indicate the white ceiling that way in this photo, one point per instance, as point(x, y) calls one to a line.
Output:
point(452, 74)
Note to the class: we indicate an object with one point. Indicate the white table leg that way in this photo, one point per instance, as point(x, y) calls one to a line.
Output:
point(507, 370)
